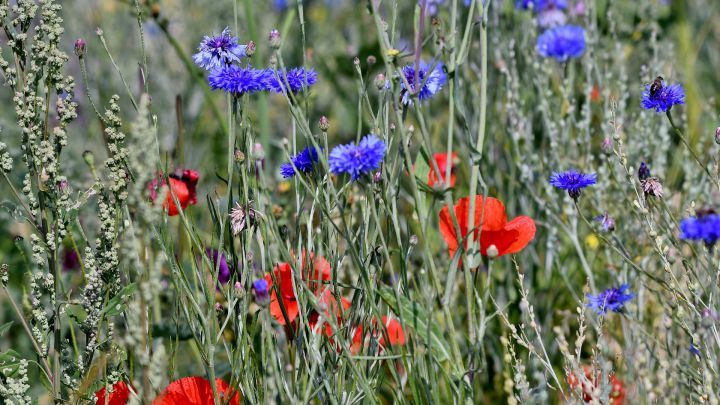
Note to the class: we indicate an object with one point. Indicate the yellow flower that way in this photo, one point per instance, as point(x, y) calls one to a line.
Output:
point(392, 52)
point(592, 241)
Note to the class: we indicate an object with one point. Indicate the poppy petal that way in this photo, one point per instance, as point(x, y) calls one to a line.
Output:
point(493, 213)
point(525, 227)
point(119, 396)
point(193, 391)
point(291, 308)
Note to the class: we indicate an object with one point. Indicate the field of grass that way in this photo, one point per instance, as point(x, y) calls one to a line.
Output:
point(359, 201)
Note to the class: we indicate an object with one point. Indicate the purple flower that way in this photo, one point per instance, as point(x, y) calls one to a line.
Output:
point(552, 17)
point(540, 5)
point(664, 98)
point(237, 80)
point(612, 299)
point(643, 171)
point(704, 227)
point(223, 268)
point(262, 291)
point(436, 78)
point(218, 51)
point(606, 222)
point(70, 260)
point(355, 160)
point(303, 161)
point(572, 181)
point(562, 43)
point(297, 79)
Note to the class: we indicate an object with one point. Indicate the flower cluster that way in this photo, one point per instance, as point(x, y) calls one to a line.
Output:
point(220, 55)
point(703, 227)
point(612, 299)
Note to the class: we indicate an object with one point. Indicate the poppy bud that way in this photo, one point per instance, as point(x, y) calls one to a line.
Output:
point(492, 252)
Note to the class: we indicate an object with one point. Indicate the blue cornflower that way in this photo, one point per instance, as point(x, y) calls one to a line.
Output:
point(436, 78)
point(303, 161)
point(573, 181)
point(357, 159)
point(262, 291)
point(664, 98)
point(562, 43)
point(694, 349)
point(297, 79)
point(606, 222)
point(540, 5)
point(236, 80)
point(612, 299)
point(705, 228)
point(219, 51)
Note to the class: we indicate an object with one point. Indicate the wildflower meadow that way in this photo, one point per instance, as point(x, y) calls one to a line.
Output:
point(359, 202)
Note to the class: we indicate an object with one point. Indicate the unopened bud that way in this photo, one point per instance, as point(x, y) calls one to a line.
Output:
point(717, 136)
point(371, 60)
point(492, 252)
point(239, 156)
point(250, 49)
point(258, 152)
point(275, 40)
point(356, 61)
point(380, 81)
point(80, 47)
point(607, 146)
point(414, 240)
point(324, 123)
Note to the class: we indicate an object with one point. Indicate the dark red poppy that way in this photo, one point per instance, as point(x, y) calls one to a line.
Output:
point(283, 275)
point(617, 394)
point(508, 237)
point(395, 334)
point(441, 160)
point(195, 391)
point(183, 186)
point(119, 396)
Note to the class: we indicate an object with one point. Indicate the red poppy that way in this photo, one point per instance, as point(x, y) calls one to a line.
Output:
point(617, 394)
point(508, 237)
point(283, 275)
point(395, 334)
point(182, 185)
point(329, 302)
point(441, 160)
point(595, 94)
point(195, 391)
point(119, 396)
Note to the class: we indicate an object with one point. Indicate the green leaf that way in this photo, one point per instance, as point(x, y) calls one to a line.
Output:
point(117, 304)
point(4, 328)
point(9, 362)
point(415, 317)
